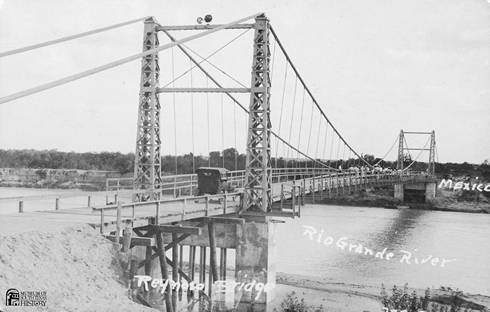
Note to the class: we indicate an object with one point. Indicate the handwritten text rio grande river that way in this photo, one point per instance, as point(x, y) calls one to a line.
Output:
point(344, 244)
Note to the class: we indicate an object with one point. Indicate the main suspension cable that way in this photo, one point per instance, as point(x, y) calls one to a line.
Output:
point(67, 38)
point(116, 63)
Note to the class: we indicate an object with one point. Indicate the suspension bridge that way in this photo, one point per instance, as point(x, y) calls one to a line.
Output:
point(293, 153)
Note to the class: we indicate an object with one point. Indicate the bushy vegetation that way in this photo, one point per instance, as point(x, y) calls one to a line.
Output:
point(402, 300)
point(53, 159)
point(294, 304)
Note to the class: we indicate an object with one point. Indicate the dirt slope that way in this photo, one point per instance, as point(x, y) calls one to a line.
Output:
point(75, 266)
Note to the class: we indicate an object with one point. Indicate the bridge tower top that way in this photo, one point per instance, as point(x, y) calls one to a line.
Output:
point(430, 146)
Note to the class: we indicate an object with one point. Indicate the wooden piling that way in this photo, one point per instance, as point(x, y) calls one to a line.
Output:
point(321, 190)
point(207, 205)
point(302, 196)
point(118, 225)
point(222, 259)
point(282, 195)
point(192, 267)
point(293, 197)
point(202, 264)
point(212, 252)
point(21, 206)
point(148, 255)
point(157, 212)
point(192, 262)
point(164, 269)
point(225, 203)
point(101, 221)
point(175, 267)
point(127, 233)
point(181, 267)
point(312, 191)
point(57, 203)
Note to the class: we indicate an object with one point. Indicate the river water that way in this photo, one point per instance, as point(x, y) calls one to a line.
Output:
point(462, 239)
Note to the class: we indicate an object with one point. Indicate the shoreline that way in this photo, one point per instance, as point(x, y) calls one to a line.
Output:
point(340, 202)
point(381, 198)
point(360, 297)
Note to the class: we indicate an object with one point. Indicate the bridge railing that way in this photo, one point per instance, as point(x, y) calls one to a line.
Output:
point(186, 184)
point(177, 209)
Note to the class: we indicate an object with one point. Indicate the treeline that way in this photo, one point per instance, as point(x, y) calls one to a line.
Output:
point(230, 159)
point(53, 159)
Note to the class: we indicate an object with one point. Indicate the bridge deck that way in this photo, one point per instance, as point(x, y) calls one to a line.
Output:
point(191, 207)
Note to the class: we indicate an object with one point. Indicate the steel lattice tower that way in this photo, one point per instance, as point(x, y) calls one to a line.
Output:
point(258, 174)
point(432, 153)
point(431, 149)
point(147, 167)
point(401, 156)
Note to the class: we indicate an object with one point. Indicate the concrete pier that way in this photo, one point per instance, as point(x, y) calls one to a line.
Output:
point(399, 191)
point(427, 188)
point(430, 191)
point(254, 261)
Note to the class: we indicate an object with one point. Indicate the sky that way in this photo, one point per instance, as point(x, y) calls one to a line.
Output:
point(375, 66)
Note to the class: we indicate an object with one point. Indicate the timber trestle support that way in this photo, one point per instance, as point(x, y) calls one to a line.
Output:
point(181, 240)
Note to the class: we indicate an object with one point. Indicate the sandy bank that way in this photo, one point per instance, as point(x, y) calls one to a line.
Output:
point(76, 266)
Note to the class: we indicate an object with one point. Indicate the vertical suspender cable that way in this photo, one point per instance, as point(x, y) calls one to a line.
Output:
point(271, 78)
point(192, 126)
point(282, 105)
point(317, 142)
point(234, 134)
point(207, 118)
point(222, 131)
point(175, 114)
point(325, 144)
point(292, 114)
point(331, 149)
point(309, 135)
point(338, 152)
point(301, 122)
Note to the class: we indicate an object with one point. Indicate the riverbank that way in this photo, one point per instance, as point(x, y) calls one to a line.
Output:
point(75, 266)
point(344, 297)
point(87, 180)
point(445, 200)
